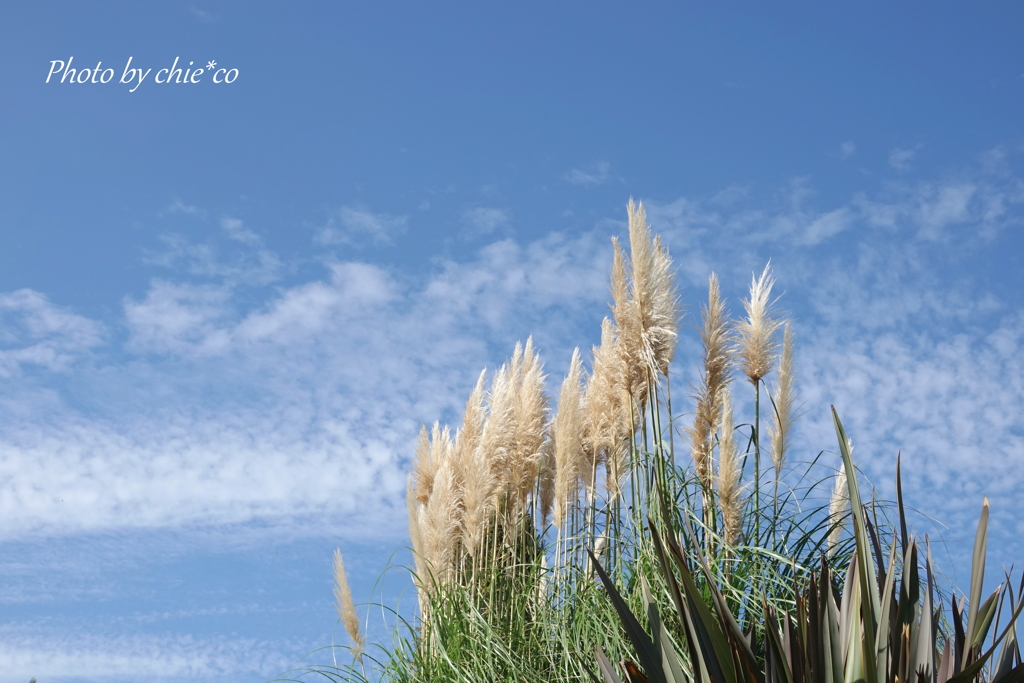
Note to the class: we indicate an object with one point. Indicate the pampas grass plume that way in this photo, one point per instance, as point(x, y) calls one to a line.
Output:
point(729, 490)
point(646, 305)
point(783, 416)
point(567, 432)
point(717, 363)
point(756, 343)
point(838, 507)
point(607, 419)
point(346, 609)
point(478, 475)
point(530, 416)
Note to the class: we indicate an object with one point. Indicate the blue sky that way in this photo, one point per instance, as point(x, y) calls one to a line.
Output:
point(225, 309)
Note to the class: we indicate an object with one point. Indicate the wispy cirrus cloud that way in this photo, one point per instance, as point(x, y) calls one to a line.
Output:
point(592, 175)
point(180, 207)
point(40, 653)
point(898, 328)
point(357, 225)
point(203, 15)
point(900, 158)
point(295, 415)
point(34, 331)
point(827, 225)
point(481, 221)
point(308, 402)
point(214, 258)
point(305, 405)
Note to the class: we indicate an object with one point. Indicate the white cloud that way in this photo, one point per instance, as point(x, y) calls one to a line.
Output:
point(827, 225)
point(250, 264)
point(357, 225)
point(484, 220)
point(202, 15)
point(237, 231)
point(847, 149)
point(42, 654)
point(943, 206)
point(178, 206)
point(589, 176)
point(900, 158)
point(307, 404)
point(173, 317)
point(35, 331)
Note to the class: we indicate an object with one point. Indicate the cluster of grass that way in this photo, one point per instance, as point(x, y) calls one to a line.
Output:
point(535, 532)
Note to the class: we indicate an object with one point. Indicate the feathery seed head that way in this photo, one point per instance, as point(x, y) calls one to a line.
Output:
point(467, 440)
point(477, 472)
point(346, 609)
point(730, 498)
point(499, 432)
point(717, 361)
point(567, 433)
point(439, 522)
point(756, 334)
point(636, 350)
point(648, 319)
point(838, 506)
point(530, 415)
point(606, 420)
point(423, 468)
point(414, 524)
point(783, 416)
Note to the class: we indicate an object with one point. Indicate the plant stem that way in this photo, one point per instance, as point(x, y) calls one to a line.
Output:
point(757, 461)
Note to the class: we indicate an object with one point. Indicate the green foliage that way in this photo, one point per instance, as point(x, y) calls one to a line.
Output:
point(870, 631)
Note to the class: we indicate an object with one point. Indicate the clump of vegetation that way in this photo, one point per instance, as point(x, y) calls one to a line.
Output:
point(538, 533)
point(872, 630)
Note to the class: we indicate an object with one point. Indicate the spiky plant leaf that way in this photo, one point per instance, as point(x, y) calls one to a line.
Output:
point(977, 579)
point(649, 656)
point(607, 670)
point(869, 593)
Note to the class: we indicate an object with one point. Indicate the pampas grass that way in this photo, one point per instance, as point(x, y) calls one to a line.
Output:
point(608, 409)
point(756, 344)
point(346, 609)
point(755, 349)
point(478, 475)
point(717, 365)
point(730, 492)
point(838, 508)
point(506, 596)
point(571, 463)
point(648, 318)
point(530, 417)
point(782, 416)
